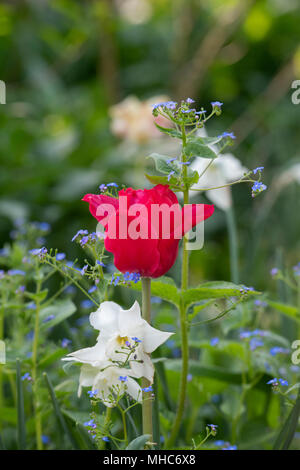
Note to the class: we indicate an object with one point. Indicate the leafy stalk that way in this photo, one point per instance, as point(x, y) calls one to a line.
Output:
point(147, 402)
point(183, 322)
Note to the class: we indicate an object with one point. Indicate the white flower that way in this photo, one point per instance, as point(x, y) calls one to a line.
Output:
point(125, 339)
point(107, 381)
point(132, 119)
point(224, 169)
point(119, 328)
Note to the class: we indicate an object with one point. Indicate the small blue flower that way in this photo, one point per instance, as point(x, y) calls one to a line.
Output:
point(259, 168)
point(123, 378)
point(274, 271)
point(31, 306)
point(84, 240)
point(216, 104)
point(114, 185)
point(257, 188)
point(105, 439)
point(26, 376)
point(189, 377)
point(189, 101)
point(92, 289)
point(92, 393)
point(137, 340)
point(147, 389)
point(83, 270)
point(170, 174)
point(214, 341)
point(219, 443)
point(272, 382)
point(283, 382)
point(90, 424)
point(87, 303)
point(65, 342)
point(80, 232)
point(49, 318)
point(45, 439)
point(60, 256)
point(213, 427)
point(230, 135)
point(170, 160)
point(103, 187)
point(255, 343)
point(101, 264)
point(16, 272)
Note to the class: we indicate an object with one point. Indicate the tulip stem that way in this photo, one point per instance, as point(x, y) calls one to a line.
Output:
point(147, 400)
point(183, 323)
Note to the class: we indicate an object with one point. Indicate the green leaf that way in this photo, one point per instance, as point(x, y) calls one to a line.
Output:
point(213, 290)
point(21, 411)
point(57, 410)
point(9, 415)
point(139, 443)
point(165, 288)
point(209, 140)
point(163, 165)
point(156, 179)
point(62, 309)
point(52, 357)
point(216, 373)
point(286, 309)
point(169, 131)
point(286, 435)
point(195, 148)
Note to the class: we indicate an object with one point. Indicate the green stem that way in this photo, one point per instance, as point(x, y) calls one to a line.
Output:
point(147, 401)
point(38, 420)
point(233, 245)
point(183, 322)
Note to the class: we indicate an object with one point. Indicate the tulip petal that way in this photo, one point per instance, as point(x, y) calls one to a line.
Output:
point(96, 200)
point(193, 214)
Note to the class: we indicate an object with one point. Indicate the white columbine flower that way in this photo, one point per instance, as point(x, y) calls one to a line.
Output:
point(109, 382)
point(224, 169)
point(125, 338)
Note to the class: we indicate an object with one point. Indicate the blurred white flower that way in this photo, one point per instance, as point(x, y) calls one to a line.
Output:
point(135, 11)
point(223, 170)
point(110, 379)
point(125, 339)
point(132, 119)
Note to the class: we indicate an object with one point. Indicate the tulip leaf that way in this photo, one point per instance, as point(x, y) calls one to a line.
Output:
point(213, 290)
point(169, 131)
point(164, 288)
point(139, 443)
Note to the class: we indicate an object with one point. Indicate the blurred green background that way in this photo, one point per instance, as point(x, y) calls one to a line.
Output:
point(66, 62)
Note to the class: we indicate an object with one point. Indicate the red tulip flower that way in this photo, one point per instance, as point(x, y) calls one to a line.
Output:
point(143, 227)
